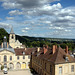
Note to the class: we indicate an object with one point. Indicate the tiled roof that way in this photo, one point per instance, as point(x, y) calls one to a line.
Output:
point(19, 51)
point(56, 58)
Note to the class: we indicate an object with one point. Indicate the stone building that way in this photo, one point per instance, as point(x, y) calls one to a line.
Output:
point(13, 55)
point(13, 42)
point(53, 61)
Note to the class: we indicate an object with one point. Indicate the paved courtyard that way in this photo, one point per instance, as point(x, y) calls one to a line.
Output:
point(24, 72)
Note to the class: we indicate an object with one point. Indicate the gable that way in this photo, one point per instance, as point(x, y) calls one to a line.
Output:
point(6, 52)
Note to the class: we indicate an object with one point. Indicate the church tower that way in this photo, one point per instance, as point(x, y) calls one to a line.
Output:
point(11, 38)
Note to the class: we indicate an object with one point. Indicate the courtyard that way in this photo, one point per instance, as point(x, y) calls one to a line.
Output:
point(22, 72)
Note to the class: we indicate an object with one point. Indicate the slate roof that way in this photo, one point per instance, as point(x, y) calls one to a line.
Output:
point(8, 49)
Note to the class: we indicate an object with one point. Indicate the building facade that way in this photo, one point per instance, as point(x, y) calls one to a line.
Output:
point(53, 61)
point(12, 55)
point(13, 42)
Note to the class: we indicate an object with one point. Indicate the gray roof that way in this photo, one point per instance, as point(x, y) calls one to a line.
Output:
point(12, 32)
point(8, 49)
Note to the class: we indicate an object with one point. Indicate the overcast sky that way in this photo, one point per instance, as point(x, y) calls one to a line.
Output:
point(39, 18)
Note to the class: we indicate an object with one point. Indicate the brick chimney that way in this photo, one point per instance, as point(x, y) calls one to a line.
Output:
point(25, 48)
point(45, 48)
point(66, 49)
point(2, 45)
point(54, 48)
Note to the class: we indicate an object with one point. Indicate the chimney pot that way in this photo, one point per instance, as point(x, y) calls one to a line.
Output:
point(54, 48)
point(45, 48)
point(66, 49)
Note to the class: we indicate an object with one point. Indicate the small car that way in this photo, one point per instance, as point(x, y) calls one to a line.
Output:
point(5, 72)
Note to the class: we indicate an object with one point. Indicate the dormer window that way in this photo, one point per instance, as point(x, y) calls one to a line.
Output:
point(23, 53)
point(66, 58)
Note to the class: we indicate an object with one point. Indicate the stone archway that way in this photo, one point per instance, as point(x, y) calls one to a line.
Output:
point(23, 65)
point(11, 66)
point(18, 65)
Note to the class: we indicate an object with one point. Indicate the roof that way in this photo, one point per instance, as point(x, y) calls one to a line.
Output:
point(8, 49)
point(19, 51)
point(56, 58)
point(12, 32)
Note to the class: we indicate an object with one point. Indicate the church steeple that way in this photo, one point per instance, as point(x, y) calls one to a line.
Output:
point(11, 37)
point(12, 32)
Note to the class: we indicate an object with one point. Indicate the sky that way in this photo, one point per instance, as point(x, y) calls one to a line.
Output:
point(39, 18)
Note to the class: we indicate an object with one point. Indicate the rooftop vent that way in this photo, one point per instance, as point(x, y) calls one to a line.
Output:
point(23, 53)
point(66, 58)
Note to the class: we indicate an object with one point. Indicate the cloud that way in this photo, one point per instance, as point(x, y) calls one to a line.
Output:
point(9, 18)
point(5, 25)
point(8, 4)
point(15, 12)
point(40, 18)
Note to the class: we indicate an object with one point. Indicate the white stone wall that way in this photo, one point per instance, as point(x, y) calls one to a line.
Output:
point(14, 59)
point(66, 69)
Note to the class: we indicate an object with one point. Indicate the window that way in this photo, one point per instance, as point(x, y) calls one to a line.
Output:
point(17, 57)
point(60, 70)
point(10, 57)
point(50, 69)
point(5, 58)
point(12, 37)
point(72, 68)
point(45, 65)
point(29, 57)
point(23, 57)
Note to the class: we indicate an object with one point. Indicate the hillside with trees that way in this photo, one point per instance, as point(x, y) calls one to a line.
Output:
point(39, 41)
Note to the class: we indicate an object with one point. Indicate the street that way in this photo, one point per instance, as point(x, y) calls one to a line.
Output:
point(23, 72)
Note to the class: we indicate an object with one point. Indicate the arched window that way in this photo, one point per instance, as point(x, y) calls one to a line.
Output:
point(11, 66)
point(10, 57)
point(18, 65)
point(17, 57)
point(12, 37)
point(23, 57)
point(5, 58)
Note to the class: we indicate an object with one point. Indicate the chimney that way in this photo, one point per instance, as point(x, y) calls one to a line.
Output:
point(38, 49)
point(66, 49)
point(7, 44)
point(45, 48)
point(54, 48)
point(2, 45)
point(25, 48)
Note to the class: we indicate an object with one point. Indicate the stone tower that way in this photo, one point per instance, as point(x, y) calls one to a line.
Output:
point(11, 38)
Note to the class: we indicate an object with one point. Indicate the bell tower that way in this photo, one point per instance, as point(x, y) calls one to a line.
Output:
point(11, 37)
